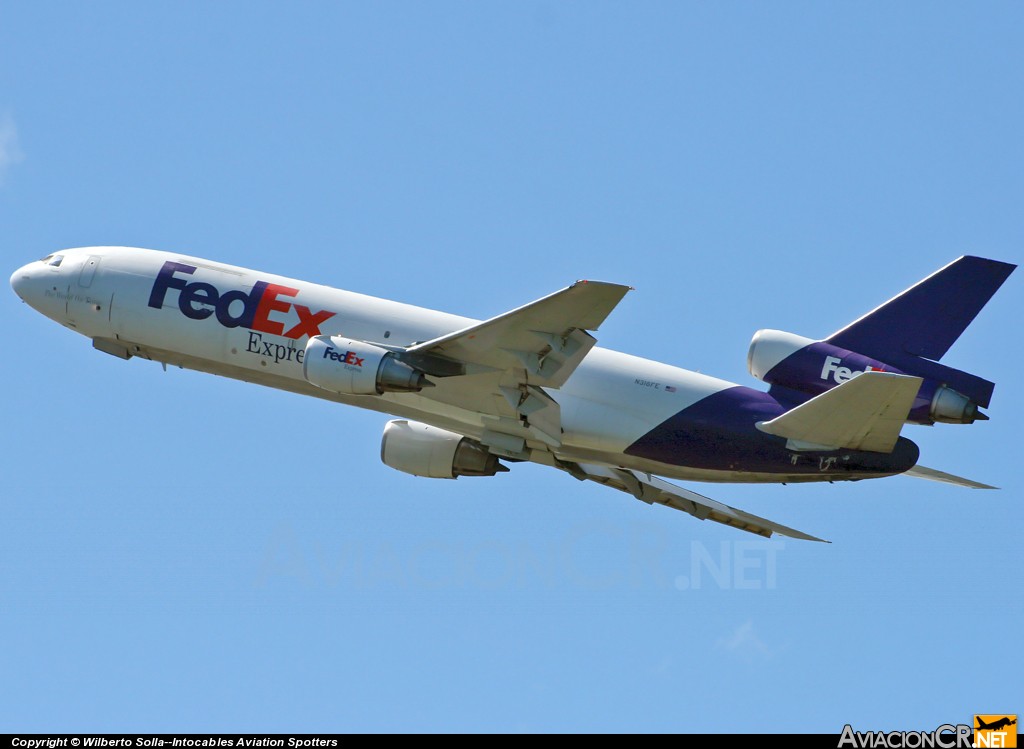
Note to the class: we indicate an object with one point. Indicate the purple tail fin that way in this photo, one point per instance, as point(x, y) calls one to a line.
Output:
point(927, 318)
point(906, 335)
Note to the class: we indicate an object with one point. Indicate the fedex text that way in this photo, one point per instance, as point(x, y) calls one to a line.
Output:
point(349, 357)
point(833, 371)
point(255, 309)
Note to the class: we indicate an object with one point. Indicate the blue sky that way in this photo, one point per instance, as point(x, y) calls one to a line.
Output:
point(187, 553)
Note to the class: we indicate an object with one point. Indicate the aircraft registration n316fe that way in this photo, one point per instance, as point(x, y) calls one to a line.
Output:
point(530, 384)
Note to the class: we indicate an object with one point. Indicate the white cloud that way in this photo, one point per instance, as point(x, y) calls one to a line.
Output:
point(10, 151)
point(744, 641)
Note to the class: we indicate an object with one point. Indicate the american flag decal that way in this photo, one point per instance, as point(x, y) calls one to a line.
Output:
point(669, 389)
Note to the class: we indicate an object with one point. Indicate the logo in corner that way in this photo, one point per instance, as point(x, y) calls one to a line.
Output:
point(999, 731)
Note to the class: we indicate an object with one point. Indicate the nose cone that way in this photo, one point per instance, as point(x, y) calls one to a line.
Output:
point(32, 283)
point(21, 279)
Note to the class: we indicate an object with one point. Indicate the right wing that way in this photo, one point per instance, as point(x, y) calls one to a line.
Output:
point(650, 489)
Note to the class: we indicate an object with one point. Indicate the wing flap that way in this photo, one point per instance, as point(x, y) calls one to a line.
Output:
point(865, 413)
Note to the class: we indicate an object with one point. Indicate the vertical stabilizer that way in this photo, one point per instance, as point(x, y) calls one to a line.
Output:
point(926, 319)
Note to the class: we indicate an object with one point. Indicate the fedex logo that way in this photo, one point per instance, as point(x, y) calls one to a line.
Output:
point(198, 300)
point(349, 357)
point(841, 374)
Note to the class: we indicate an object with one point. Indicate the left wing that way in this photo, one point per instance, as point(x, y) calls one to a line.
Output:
point(546, 339)
point(502, 364)
point(651, 489)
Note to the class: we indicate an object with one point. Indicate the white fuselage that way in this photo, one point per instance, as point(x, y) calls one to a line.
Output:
point(107, 294)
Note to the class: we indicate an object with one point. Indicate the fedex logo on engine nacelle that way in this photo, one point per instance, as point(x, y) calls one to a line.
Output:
point(198, 300)
point(349, 357)
point(841, 374)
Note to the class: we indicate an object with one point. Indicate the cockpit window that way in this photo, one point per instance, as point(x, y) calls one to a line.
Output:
point(54, 260)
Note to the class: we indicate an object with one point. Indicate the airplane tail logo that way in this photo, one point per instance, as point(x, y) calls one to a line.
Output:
point(907, 335)
point(998, 731)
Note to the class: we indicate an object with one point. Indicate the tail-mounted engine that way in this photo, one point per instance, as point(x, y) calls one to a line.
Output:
point(794, 363)
point(909, 334)
point(423, 450)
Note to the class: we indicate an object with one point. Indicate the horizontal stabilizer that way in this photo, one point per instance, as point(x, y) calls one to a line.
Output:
point(920, 472)
point(653, 490)
point(865, 413)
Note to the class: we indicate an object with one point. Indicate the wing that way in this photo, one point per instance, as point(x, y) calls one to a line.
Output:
point(503, 363)
point(652, 490)
point(546, 339)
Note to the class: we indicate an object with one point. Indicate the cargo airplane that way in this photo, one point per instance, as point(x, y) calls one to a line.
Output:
point(531, 385)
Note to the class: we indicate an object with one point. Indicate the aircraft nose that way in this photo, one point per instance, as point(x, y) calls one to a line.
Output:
point(21, 279)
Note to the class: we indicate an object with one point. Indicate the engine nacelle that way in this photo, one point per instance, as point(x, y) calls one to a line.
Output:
point(951, 407)
point(770, 348)
point(423, 450)
point(812, 367)
point(351, 367)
